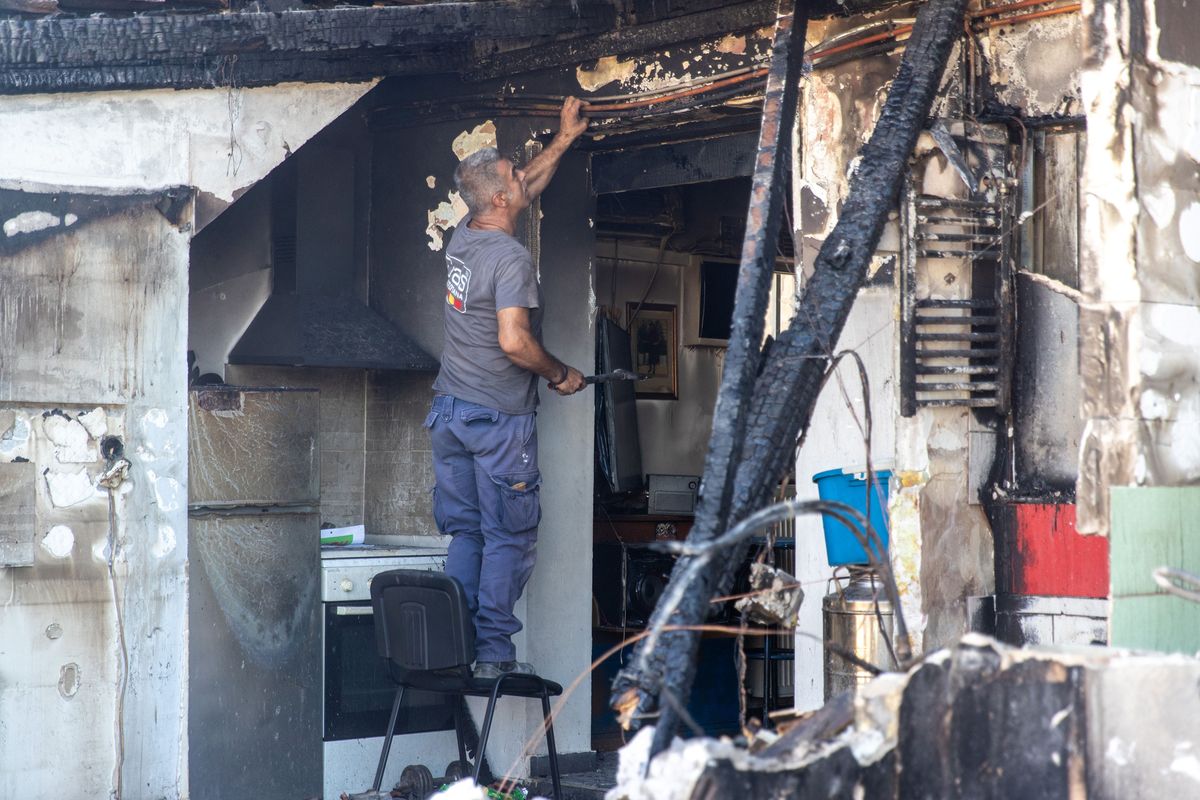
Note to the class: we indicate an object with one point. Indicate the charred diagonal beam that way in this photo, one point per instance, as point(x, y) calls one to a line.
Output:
point(785, 392)
point(62, 53)
point(673, 660)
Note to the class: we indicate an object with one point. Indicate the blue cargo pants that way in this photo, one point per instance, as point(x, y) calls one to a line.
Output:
point(486, 497)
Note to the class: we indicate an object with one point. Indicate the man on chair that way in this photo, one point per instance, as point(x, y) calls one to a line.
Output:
point(482, 420)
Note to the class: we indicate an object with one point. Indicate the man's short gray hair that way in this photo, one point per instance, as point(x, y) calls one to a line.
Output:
point(478, 181)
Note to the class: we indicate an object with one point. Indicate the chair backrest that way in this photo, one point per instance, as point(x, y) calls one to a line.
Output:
point(421, 620)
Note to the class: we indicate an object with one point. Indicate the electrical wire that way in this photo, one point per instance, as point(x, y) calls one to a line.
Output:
point(734, 86)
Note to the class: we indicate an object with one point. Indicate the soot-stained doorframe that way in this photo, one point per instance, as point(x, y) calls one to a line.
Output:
point(767, 398)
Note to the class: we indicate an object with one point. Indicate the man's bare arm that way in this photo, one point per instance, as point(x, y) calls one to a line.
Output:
point(540, 170)
point(523, 349)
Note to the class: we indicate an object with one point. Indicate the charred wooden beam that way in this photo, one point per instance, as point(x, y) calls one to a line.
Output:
point(785, 391)
point(671, 665)
point(634, 39)
point(255, 49)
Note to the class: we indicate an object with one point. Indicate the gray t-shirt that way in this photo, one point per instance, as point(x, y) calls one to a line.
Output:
point(485, 272)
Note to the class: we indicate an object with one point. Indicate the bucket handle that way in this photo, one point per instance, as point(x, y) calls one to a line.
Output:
point(836, 580)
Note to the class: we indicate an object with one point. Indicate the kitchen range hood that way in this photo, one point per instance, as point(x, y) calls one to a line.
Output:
point(318, 237)
point(311, 330)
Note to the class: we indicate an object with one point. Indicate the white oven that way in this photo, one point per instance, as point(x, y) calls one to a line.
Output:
point(357, 690)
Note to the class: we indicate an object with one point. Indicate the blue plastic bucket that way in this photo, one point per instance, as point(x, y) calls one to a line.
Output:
point(851, 488)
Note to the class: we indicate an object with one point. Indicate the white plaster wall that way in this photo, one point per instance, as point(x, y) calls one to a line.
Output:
point(97, 316)
point(219, 141)
point(836, 439)
point(125, 725)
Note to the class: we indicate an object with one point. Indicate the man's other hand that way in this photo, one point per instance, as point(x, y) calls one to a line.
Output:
point(571, 384)
point(572, 123)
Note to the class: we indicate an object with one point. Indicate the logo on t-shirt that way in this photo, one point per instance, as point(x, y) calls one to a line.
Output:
point(458, 280)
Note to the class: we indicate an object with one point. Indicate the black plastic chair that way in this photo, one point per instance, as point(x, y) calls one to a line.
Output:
point(424, 630)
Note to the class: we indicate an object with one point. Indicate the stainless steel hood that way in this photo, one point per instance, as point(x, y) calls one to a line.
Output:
point(311, 330)
point(315, 316)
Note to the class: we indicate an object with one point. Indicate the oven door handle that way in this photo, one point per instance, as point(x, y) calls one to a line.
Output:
point(353, 611)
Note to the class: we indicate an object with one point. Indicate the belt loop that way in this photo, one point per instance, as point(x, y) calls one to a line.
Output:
point(447, 407)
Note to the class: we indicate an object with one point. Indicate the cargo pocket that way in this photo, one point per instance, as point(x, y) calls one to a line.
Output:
point(520, 500)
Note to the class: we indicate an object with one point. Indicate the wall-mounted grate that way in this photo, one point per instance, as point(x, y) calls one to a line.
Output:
point(956, 316)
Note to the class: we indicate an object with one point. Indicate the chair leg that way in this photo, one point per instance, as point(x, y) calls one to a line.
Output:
point(387, 739)
point(460, 729)
point(487, 725)
point(551, 750)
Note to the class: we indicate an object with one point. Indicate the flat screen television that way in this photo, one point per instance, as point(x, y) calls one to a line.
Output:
point(618, 451)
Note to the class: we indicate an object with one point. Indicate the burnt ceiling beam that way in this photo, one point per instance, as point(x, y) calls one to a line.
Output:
point(702, 19)
point(633, 39)
point(256, 49)
point(761, 412)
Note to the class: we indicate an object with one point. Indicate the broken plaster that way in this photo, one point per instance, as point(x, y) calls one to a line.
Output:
point(72, 443)
point(69, 488)
point(59, 541)
point(95, 422)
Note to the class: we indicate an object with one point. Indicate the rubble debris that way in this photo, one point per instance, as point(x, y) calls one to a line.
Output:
point(775, 598)
point(977, 720)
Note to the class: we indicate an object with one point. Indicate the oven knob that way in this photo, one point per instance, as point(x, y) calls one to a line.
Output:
point(347, 585)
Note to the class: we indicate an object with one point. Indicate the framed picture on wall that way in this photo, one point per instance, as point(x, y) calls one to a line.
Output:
point(655, 349)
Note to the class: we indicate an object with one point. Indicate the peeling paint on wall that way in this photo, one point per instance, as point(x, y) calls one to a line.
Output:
point(669, 69)
point(1141, 376)
point(468, 142)
point(1035, 68)
point(606, 70)
point(441, 219)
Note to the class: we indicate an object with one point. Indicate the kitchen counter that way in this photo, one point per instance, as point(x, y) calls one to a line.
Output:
point(337, 551)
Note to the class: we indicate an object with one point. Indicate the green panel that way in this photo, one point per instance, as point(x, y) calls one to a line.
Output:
point(1155, 622)
point(1153, 527)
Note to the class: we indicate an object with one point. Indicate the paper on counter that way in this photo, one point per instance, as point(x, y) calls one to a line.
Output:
point(353, 534)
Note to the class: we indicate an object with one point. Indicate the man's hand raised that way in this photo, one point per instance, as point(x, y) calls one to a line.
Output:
point(572, 123)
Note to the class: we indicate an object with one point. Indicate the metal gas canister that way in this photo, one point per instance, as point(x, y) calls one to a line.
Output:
point(858, 618)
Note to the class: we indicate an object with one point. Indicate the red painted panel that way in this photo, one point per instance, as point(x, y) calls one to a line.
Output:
point(1052, 558)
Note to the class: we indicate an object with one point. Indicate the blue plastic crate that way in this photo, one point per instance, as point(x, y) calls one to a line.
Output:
point(841, 486)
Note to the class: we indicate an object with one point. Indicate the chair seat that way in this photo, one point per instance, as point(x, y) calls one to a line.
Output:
point(458, 683)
